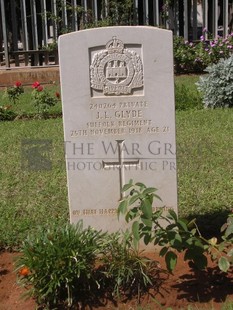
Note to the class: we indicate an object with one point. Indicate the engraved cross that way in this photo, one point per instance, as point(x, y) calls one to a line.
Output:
point(120, 164)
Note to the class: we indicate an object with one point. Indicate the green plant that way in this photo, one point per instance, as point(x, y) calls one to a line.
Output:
point(196, 56)
point(125, 270)
point(6, 114)
point(42, 99)
point(59, 262)
point(178, 235)
point(13, 93)
point(217, 87)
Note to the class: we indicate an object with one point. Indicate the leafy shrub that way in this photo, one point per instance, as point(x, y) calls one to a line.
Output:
point(59, 262)
point(178, 235)
point(42, 99)
point(124, 270)
point(6, 114)
point(13, 93)
point(195, 57)
point(217, 87)
point(64, 265)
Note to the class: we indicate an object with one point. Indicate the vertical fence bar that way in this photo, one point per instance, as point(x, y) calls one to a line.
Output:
point(34, 32)
point(74, 16)
point(24, 24)
point(176, 17)
point(14, 31)
point(205, 18)
point(135, 12)
point(64, 15)
point(106, 7)
point(194, 19)
point(95, 8)
point(34, 25)
point(225, 18)
point(156, 12)
point(84, 4)
point(54, 20)
point(145, 12)
point(186, 32)
point(215, 18)
point(6, 52)
point(44, 22)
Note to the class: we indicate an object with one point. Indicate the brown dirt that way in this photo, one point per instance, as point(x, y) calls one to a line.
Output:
point(201, 290)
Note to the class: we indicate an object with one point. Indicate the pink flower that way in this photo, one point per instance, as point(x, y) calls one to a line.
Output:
point(35, 84)
point(18, 84)
point(39, 88)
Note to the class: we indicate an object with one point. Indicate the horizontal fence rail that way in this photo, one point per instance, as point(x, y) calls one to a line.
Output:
point(29, 29)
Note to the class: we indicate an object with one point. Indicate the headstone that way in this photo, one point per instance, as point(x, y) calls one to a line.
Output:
point(119, 120)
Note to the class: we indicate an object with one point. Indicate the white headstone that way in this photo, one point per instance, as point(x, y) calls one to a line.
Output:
point(119, 119)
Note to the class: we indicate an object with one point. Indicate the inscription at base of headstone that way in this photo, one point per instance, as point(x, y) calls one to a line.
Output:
point(119, 119)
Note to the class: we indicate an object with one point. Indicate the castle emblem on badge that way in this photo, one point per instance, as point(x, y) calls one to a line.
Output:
point(116, 70)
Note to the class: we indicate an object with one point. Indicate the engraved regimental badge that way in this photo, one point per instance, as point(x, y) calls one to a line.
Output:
point(116, 70)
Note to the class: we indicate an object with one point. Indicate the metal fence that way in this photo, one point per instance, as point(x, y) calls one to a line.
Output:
point(29, 29)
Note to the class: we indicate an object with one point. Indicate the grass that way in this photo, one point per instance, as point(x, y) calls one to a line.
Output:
point(30, 199)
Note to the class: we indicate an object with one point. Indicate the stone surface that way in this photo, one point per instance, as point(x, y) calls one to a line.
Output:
point(27, 76)
point(119, 121)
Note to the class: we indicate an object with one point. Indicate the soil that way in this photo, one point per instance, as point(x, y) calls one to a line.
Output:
point(186, 287)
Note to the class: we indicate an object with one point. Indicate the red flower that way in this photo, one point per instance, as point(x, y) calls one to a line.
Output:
point(18, 84)
point(36, 84)
point(39, 88)
point(24, 272)
point(57, 94)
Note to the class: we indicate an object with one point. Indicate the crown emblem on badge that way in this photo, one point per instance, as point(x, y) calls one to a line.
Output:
point(116, 70)
point(115, 46)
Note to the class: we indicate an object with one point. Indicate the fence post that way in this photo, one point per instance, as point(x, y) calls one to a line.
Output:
point(186, 26)
point(215, 19)
point(156, 12)
point(6, 52)
point(205, 18)
point(225, 18)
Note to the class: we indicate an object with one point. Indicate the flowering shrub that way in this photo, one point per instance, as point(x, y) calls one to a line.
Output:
point(42, 98)
point(13, 93)
point(195, 57)
point(217, 87)
point(65, 265)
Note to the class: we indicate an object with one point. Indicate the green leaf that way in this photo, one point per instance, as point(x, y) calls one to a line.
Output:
point(229, 230)
point(146, 208)
point(171, 260)
point(157, 197)
point(141, 185)
point(163, 251)
point(173, 215)
point(135, 230)
point(122, 208)
point(223, 264)
point(147, 222)
point(149, 190)
point(230, 253)
point(126, 187)
point(182, 224)
point(147, 239)
point(133, 199)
